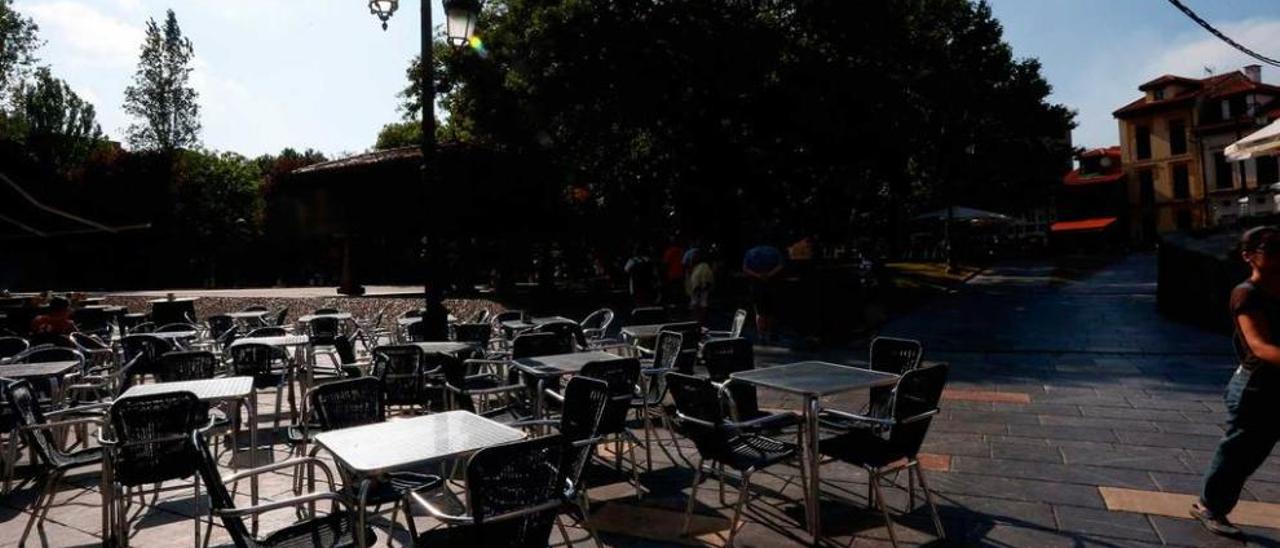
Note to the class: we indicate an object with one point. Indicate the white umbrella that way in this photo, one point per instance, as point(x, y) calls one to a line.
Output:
point(1259, 143)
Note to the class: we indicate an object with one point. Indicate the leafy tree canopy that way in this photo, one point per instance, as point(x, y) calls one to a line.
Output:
point(18, 43)
point(161, 98)
point(57, 125)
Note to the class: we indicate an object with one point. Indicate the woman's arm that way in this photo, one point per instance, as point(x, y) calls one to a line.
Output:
point(1254, 327)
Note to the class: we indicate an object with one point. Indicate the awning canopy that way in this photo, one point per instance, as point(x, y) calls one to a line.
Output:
point(1259, 143)
point(1082, 225)
point(962, 214)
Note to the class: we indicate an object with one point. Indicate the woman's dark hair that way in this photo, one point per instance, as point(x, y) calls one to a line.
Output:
point(1255, 237)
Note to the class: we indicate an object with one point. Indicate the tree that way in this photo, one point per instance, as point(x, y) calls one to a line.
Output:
point(399, 134)
point(730, 119)
point(18, 43)
point(160, 97)
point(57, 125)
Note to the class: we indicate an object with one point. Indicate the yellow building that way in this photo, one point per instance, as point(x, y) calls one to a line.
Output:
point(1172, 141)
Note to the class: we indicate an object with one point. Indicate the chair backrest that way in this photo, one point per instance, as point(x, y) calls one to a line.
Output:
point(890, 355)
point(270, 331)
point(85, 341)
point(220, 324)
point(666, 353)
point(261, 361)
point(531, 345)
point(219, 497)
point(473, 332)
point(324, 330)
point(648, 315)
point(514, 492)
point(52, 339)
point(152, 436)
point(400, 369)
point(598, 322)
point(177, 327)
point(149, 347)
point(12, 346)
point(455, 376)
point(481, 316)
point(567, 329)
point(723, 358)
point(24, 402)
point(49, 353)
point(349, 402)
point(914, 397)
point(412, 313)
point(255, 308)
point(585, 401)
point(144, 327)
point(282, 316)
point(326, 311)
point(621, 375)
point(700, 414)
point(186, 366)
point(692, 332)
point(739, 322)
point(422, 331)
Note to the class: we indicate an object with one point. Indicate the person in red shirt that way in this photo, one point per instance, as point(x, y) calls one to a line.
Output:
point(57, 321)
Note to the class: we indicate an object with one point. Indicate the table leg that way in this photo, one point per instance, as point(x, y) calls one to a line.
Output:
point(253, 455)
point(360, 513)
point(537, 402)
point(812, 506)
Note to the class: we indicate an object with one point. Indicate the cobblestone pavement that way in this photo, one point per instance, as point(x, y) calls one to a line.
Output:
point(1075, 416)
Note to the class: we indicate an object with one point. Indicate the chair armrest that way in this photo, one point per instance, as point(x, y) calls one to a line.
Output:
point(859, 418)
point(554, 395)
point(700, 422)
point(286, 503)
point(436, 513)
point(917, 418)
point(718, 334)
point(80, 409)
point(535, 422)
point(60, 424)
point(314, 461)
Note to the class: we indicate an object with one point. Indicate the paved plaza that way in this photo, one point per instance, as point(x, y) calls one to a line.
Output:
point(1075, 416)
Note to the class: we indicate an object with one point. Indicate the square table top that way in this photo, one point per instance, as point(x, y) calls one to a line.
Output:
point(224, 388)
point(38, 369)
point(527, 323)
point(336, 316)
point(444, 347)
point(815, 378)
point(398, 444)
point(284, 340)
point(556, 365)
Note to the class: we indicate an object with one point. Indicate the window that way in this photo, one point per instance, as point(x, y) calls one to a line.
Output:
point(1183, 219)
point(1237, 106)
point(1158, 94)
point(1181, 182)
point(1142, 134)
point(1177, 137)
point(1222, 172)
point(1268, 169)
point(1146, 188)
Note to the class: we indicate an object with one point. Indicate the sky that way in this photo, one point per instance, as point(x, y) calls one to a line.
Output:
point(323, 74)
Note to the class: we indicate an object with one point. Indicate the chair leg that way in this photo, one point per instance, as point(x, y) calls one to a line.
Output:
point(693, 496)
point(933, 509)
point(391, 529)
point(195, 503)
point(888, 523)
point(744, 495)
point(584, 505)
point(648, 436)
point(911, 487)
point(720, 478)
point(559, 525)
point(37, 509)
point(275, 426)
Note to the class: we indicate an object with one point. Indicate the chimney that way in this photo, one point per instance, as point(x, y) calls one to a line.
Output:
point(1253, 72)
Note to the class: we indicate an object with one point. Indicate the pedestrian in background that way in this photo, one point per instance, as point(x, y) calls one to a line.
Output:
point(1253, 394)
point(763, 266)
point(642, 277)
point(700, 283)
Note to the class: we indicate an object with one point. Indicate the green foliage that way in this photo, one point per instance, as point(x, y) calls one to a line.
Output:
point(160, 97)
point(724, 115)
point(58, 127)
point(399, 134)
point(216, 200)
point(18, 43)
point(275, 167)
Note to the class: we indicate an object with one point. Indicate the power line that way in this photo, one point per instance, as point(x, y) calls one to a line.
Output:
point(1178, 4)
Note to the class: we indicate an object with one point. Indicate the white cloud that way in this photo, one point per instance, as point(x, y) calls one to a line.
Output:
point(90, 33)
point(1197, 51)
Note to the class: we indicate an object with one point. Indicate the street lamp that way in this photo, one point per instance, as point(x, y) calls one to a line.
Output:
point(460, 22)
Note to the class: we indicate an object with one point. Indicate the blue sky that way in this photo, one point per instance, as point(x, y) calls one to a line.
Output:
point(323, 74)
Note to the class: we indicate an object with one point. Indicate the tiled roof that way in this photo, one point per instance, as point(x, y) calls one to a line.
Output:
point(1213, 87)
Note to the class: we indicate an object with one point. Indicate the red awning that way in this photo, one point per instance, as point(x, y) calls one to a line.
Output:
point(1075, 178)
point(1082, 225)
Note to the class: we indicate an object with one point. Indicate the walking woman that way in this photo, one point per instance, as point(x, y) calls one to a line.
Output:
point(1253, 395)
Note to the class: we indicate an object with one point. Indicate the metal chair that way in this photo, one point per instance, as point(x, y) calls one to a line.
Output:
point(584, 404)
point(282, 315)
point(565, 329)
point(890, 355)
point(514, 493)
point(596, 325)
point(36, 429)
point(149, 443)
point(648, 315)
point(269, 331)
point(895, 442)
point(219, 324)
point(146, 348)
point(269, 367)
point(621, 375)
point(735, 328)
point(465, 382)
point(406, 377)
point(699, 417)
point(335, 529)
point(649, 403)
point(186, 365)
point(724, 357)
point(478, 333)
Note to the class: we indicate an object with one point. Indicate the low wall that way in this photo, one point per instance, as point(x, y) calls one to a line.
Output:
point(1196, 272)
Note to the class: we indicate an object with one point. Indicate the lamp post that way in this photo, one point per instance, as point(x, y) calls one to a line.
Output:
point(460, 23)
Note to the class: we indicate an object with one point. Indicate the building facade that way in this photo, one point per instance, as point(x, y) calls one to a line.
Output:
point(1172, 141)
point(1092, 204)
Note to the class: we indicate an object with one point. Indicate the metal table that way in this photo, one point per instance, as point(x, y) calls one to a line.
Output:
point(445, 347)
point(813, 380)
point(54, 371)
point(374, 449)
point(230, 389)
point(547, 368)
